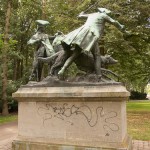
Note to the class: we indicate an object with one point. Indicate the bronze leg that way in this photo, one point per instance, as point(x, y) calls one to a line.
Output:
point(70, 60)
point(97, 59)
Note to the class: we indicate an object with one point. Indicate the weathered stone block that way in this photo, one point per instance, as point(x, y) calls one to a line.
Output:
point(72, 118)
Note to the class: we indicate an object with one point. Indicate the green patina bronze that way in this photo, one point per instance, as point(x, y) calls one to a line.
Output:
point(86, 37)
point(43, 49)
point(69, 48)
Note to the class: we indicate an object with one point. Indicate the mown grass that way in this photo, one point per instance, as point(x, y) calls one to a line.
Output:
point(138, 117)
point(138, 106)
point(9, 118)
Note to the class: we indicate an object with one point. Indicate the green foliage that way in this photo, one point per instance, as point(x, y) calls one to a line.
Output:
point(135, 95)
point(147, 88)
point(11, 88)
point(131, 51)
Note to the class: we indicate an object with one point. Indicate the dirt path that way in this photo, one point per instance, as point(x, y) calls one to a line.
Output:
point(8, 132)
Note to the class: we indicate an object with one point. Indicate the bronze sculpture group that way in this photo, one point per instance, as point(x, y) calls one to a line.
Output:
point(73, 47)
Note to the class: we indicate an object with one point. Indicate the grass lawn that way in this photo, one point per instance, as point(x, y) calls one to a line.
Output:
point(138, 117)
point(9, 118)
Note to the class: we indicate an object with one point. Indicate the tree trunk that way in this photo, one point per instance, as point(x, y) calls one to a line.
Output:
point(21, 68)
point(4, 60)
point(43, 9)
point(15, 70)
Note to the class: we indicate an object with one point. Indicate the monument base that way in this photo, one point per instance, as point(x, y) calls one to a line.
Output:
point(30, 144)
point(72, 118)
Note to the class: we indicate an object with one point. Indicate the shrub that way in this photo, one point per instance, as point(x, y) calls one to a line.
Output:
point(135, 95)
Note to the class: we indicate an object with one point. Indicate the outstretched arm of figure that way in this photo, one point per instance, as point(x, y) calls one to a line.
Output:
point(83, 15)
point(118, 25)
point(32, 41)
point(115, 23)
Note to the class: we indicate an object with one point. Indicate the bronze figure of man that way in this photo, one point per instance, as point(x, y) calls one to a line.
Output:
point(43, 49)
point(86, 37)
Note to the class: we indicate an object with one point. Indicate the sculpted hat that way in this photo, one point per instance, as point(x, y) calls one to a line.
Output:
point(42, 22)
point(104, 10)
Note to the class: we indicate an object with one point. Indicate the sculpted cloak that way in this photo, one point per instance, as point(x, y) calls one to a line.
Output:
point(86, 35)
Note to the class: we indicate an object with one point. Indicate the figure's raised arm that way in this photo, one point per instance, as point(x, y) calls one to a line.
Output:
point(83, 15)
point(34, 39)
point(115, 23)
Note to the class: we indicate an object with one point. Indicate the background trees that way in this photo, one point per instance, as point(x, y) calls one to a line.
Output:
point(133, 52)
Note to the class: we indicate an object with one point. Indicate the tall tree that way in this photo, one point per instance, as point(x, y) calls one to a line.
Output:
point(43, 9)
point(4, 59)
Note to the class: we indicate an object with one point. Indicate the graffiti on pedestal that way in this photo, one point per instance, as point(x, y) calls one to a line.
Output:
point(66, 112)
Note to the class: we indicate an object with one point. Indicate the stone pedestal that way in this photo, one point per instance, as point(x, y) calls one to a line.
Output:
point(72, 118)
